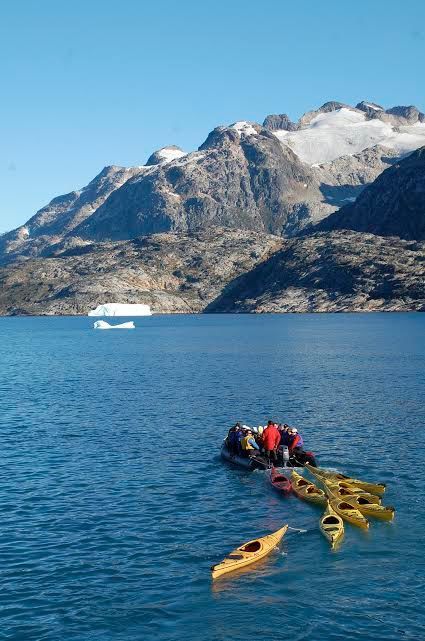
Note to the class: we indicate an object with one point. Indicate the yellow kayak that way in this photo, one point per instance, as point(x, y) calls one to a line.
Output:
point(347, 511)
point(307, 490)
point(332, 526)
point(368, 508)
point(249, 553)
point(373, 488)
point(345, 490)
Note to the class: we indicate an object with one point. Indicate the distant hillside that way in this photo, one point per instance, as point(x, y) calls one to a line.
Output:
point(341, 271)
point(393, 205)
point(174, 273)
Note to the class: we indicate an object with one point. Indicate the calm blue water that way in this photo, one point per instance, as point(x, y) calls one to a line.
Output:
point(114, 504)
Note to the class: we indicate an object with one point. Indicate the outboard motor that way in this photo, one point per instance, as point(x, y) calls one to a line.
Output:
point(285, 456)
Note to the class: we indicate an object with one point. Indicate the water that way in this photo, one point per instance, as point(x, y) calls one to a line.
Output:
point(114, 504)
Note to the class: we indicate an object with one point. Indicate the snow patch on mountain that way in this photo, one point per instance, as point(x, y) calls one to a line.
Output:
point(346, 132)
point(244, 128)
point(167, 154)
point(372, 105)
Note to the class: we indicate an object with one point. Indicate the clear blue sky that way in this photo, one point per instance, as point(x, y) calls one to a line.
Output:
point(94, 83)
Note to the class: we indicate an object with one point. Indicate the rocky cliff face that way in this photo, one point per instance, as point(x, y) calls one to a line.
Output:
point(394, 205)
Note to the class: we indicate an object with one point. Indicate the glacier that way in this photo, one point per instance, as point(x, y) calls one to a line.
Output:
point(344, 131)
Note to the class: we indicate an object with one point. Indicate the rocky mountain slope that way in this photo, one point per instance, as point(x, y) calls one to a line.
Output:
point(394, 205)
point(223, 271)
point(337, 271)
point(171, 272)
point(277, 178)
point(62, 215)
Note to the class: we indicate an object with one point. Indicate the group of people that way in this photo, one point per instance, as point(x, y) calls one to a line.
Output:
point(249, 441)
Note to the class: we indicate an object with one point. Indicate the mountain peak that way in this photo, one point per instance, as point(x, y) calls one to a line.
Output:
point(410, 113)
point(370, 108)
point(165, 154)
point(274, 122)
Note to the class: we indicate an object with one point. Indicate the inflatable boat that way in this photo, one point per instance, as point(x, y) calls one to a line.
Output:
point(260, 462)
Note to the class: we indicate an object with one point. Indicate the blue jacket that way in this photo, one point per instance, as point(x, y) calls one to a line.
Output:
point(284, 438)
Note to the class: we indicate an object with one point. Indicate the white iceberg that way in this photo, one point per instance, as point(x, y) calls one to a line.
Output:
point(105, 325)
point(121, 309)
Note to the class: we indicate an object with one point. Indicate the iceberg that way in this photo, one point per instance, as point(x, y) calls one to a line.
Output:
point(105, 325)
point(121, 309)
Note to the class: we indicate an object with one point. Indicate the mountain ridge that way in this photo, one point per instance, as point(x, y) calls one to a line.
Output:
point(242, 176)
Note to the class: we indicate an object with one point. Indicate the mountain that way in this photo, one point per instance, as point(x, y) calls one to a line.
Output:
point(340, 271)
point(276, 178)
point(261, 218)
point(393, 205)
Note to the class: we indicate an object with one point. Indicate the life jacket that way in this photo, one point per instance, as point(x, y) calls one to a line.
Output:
point(246, 445)
point(297, 441)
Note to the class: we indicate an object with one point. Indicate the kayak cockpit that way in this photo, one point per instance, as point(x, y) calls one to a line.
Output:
point(253, 546)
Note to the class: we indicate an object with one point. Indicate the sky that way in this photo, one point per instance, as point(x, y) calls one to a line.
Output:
point(89, 84)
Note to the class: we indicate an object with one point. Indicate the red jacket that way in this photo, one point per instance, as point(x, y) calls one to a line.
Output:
point(271, 438)
point(296, 442)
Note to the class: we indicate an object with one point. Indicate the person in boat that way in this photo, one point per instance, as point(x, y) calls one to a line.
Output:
point(296, 440)
point(240, 434)
point(249, 444)
point(284, 435)
point(259, 436)
point(271, 441)
point(232, 441)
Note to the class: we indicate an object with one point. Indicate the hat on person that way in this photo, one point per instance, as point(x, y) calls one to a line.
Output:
point(294, 430)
